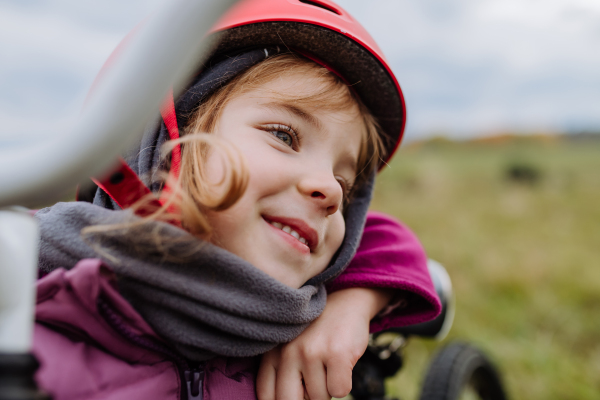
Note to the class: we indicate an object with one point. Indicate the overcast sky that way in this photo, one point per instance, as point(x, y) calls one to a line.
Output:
point(467, 67)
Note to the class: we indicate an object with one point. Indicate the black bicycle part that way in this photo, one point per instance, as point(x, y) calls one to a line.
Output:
point(370, 371)
point(457, 367)
point(433, 328)
point(16, 378)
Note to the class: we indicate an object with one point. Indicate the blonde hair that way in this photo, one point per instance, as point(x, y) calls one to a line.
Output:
point(191, 194)
point(330, 94)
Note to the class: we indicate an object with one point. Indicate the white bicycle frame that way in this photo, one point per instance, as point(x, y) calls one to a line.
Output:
point(164, 52)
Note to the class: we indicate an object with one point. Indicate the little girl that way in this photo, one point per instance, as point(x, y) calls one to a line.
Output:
point(265, 201)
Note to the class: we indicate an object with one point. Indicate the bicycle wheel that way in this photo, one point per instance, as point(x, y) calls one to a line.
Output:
point(461, 371)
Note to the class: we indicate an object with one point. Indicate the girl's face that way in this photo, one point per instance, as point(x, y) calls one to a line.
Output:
point(301, 163)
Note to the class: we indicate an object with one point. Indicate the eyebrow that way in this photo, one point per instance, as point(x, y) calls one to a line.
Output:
point(297, 111)
point(310, 119)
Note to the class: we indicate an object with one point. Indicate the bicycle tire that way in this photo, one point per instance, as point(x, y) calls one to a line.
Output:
point(460, 366)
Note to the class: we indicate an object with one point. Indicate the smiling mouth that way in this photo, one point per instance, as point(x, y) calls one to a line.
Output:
point(297, 229)
point(288, 229)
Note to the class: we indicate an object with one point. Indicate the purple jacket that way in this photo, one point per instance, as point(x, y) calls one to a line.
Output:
point(391, 256)
point(93, 345)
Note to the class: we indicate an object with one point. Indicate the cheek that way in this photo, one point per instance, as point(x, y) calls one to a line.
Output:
point(269, 172)
point(336, 233)
point(229, 227)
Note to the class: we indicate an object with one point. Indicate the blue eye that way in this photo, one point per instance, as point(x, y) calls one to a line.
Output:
point(284, 137)
point(284, 133)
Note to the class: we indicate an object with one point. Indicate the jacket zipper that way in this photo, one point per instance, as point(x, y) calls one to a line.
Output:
point(193, 382)
point(193, 377)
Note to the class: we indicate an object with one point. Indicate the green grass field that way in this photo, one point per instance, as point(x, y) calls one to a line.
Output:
point(524, 257)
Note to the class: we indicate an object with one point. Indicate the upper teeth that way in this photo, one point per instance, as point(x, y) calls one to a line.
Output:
point(288, 229)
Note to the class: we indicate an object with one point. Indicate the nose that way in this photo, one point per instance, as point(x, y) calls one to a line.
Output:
point(323, 189)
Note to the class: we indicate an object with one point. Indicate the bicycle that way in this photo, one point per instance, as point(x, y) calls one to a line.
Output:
point(458, 371)
point(98, 136)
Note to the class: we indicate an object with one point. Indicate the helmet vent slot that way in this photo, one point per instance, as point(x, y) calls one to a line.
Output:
point(321, 5)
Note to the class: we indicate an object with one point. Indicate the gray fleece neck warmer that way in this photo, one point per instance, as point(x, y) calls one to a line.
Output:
point(212, 302)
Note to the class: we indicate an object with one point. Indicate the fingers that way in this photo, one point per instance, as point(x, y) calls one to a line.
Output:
point(267, 375)
point(309, 373)
point(285, 381)
point(315, 380)
point(289, 382)
point(339, 377)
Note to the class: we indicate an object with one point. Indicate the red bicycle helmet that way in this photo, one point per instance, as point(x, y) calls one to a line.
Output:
point(323, 31)
point(318, 29)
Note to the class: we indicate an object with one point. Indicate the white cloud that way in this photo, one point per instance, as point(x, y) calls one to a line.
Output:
point(466, 66)
point(472, 66)
point(51, 52)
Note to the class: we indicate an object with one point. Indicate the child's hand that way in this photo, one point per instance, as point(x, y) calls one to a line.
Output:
point(324, 354)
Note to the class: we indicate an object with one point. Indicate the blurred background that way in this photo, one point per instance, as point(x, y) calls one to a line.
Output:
point(498, 176)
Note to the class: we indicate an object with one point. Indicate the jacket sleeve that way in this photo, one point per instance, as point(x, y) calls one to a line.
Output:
point(391, 256)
